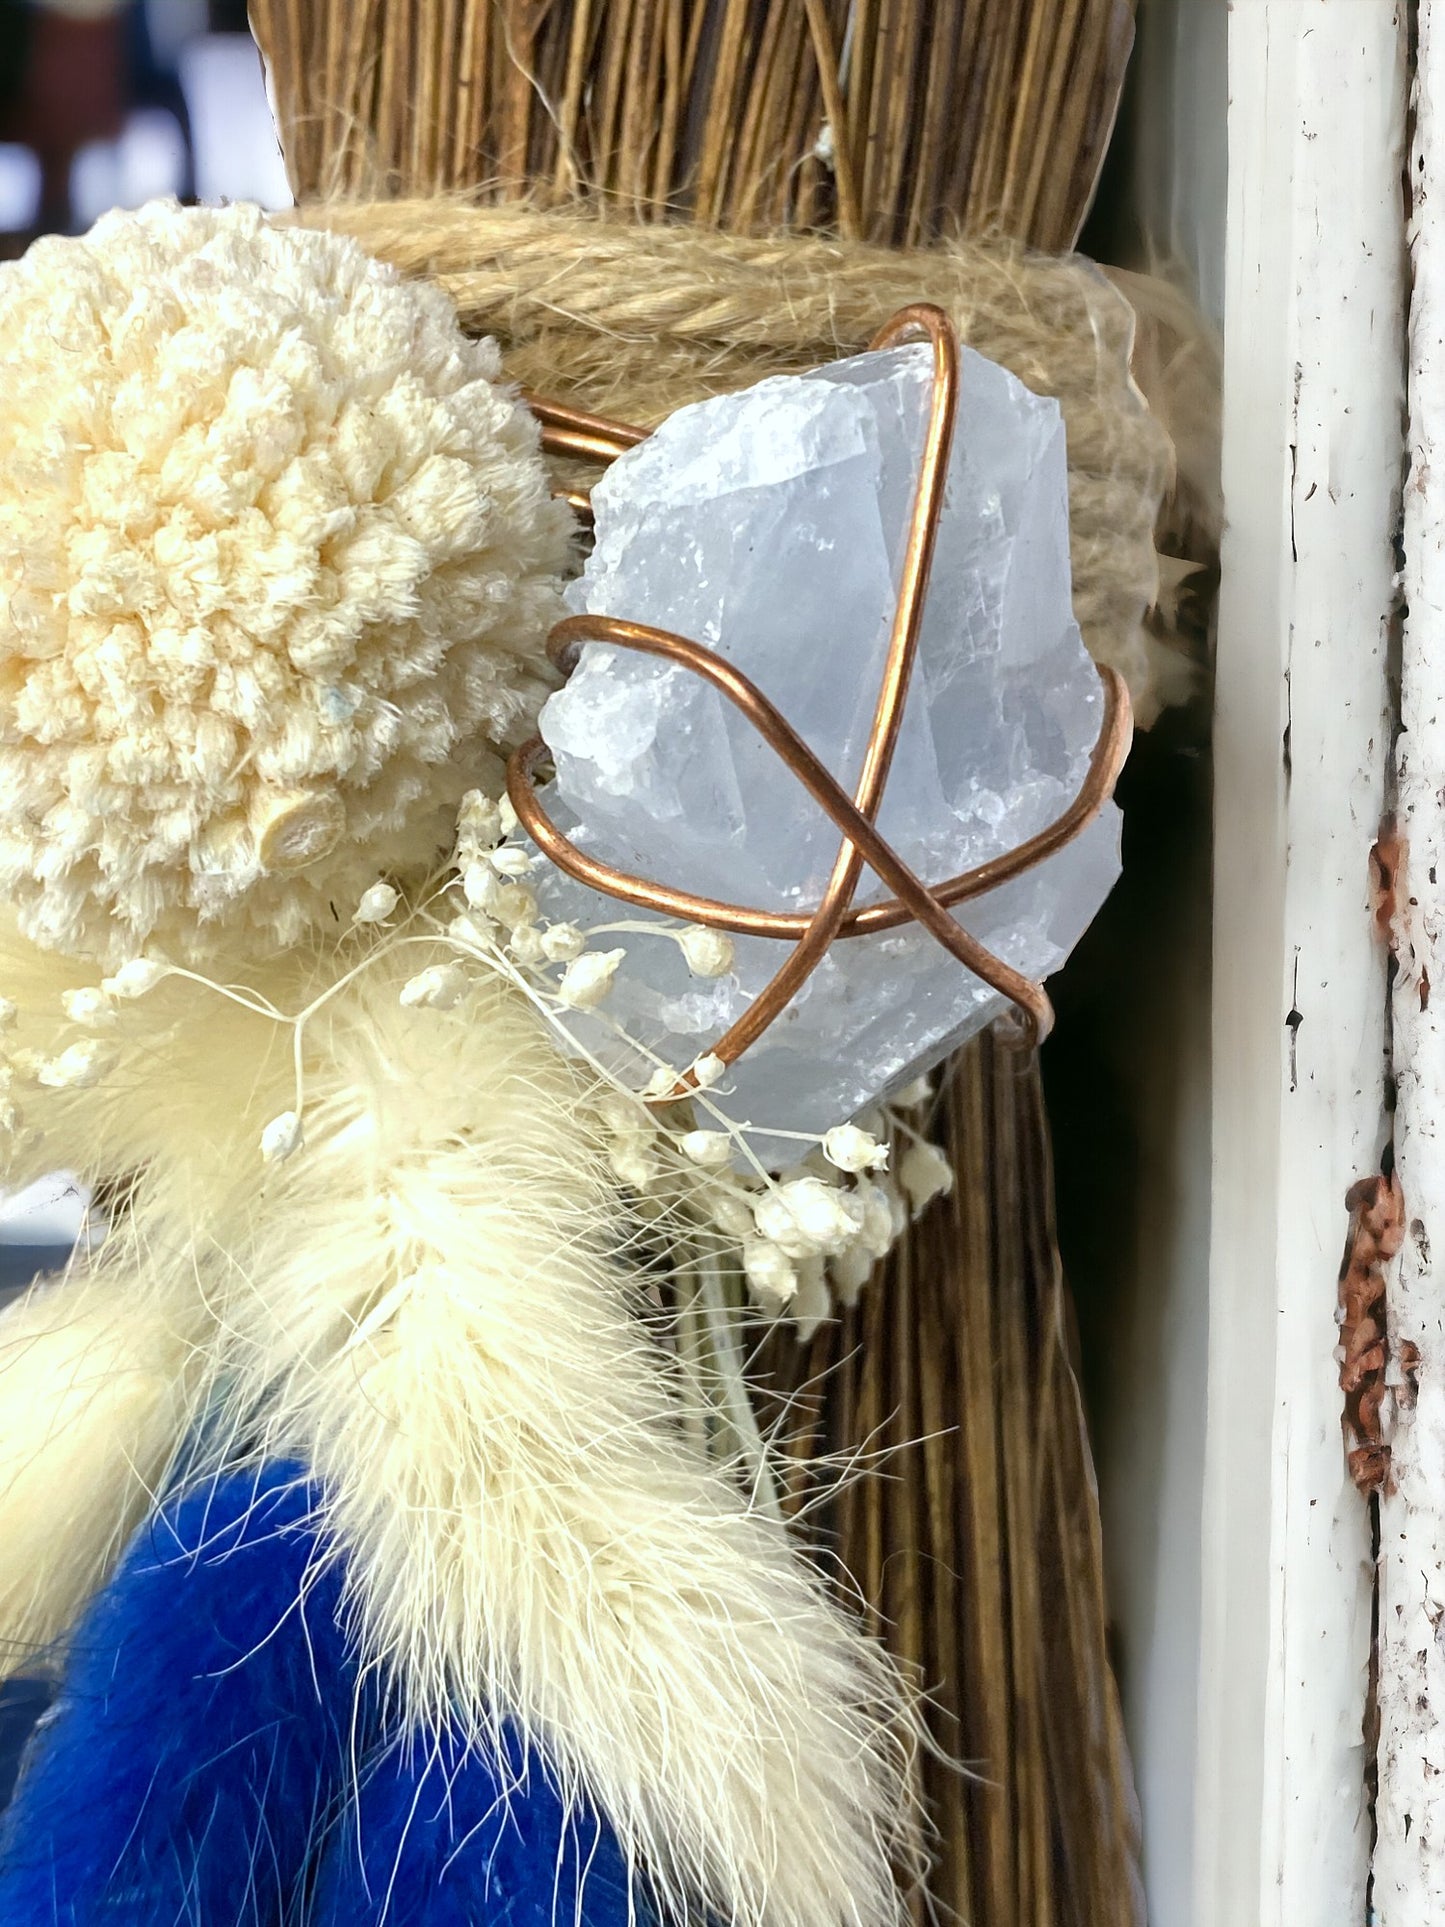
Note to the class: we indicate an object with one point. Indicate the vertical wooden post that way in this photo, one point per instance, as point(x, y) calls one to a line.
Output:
point(1410, 1856)
point(1313, 347)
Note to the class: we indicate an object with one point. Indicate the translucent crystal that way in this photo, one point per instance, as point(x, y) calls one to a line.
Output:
point(771, 525)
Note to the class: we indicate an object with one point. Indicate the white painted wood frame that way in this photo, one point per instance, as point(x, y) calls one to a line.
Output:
point(1314, 327)
point(1409, 1887)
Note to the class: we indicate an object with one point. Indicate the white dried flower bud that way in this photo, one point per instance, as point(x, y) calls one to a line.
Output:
point(633, 1166)
point(879, 1230)
point(707, 1148)
point(376, 904)
point(438, 987)
point(708, 953)
point(480, 886)
point(79, 1068)
point(9, 1014)
point(510, 861)
point(588, 978)
point(732, 1212)
point(852, 1149)
point(525, 945)
point(561, 942)
point(623, 1115)
point(475, 931)
point(137, 978)
point(281, 1137)
point(90, 1007)
point(479, 818)
point(506, 816)
point(925, 1174)
point(850, 1272)
point(913, 1094)
point(662, 1083)
point(768, 1270)
point(808, 1218)
point(514, 905)
point(706, 1070)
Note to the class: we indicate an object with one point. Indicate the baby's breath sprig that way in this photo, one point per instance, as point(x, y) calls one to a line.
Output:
point(801, 1239)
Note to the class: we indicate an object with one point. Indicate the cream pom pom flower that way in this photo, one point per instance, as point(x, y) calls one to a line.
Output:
point(277, 561)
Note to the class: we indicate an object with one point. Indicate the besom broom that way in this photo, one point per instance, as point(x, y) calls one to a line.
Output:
point(664, 200)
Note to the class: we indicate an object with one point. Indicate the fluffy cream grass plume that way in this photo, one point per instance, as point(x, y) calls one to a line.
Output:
point(104, 1369)
point(96, 1382)
point(274, 573)
point(433, 1311)
point(432, 1302)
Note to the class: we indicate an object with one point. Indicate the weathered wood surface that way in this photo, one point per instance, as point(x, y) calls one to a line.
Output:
point(1410, 1855)
point(1314, 324)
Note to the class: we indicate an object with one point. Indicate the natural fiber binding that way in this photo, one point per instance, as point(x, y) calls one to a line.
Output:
point(569, 431)
point(636, 320)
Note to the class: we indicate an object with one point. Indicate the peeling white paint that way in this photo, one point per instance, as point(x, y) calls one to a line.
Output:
point(1410, 1855)
point(1314, 306)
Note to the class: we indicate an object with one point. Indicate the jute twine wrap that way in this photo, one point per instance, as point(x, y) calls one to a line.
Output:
point(633, 321)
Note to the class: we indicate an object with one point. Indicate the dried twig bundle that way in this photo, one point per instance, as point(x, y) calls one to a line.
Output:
point(895, 121)
point(975, 1541)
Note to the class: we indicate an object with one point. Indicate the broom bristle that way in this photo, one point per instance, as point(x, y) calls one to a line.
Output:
point(976, 1544)
point(891, 120)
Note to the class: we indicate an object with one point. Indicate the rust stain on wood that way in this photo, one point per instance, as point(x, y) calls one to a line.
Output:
point(1377, 1229)
point(1386, 858)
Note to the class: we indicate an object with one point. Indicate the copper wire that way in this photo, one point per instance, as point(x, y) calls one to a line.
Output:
point(888, 913)
point(572, 431)
point(569, 431)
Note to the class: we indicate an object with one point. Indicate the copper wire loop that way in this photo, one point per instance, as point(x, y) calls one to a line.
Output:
point(567, 431)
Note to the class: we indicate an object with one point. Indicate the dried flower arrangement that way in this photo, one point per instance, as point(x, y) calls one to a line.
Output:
point(366, 88)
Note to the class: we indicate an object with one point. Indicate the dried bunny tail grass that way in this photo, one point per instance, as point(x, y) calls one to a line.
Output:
point(433, 1301)
point(440, 1321)
point(105, 1369)
point(99, 1378)
point(188, 1076)
point(636, 320)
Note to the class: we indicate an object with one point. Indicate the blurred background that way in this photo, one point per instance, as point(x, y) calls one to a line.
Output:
point(108, 103)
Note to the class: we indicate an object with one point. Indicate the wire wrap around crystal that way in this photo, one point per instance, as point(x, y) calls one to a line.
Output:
point(571, 432)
